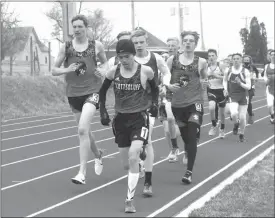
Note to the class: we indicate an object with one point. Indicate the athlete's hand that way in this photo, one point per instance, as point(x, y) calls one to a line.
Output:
point(104, 116)
point(174, 87)
point(72, 68)
point(153, 110)
point(225, 92)
point(99, 72)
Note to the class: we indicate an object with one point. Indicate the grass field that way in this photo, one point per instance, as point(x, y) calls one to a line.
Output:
point(24, 96)
point(252, 195)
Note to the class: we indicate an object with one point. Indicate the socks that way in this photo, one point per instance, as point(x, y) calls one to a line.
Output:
point(174, 143)
point(132, 183)
point(148, 178)
point(214, 123)
point(272, 116)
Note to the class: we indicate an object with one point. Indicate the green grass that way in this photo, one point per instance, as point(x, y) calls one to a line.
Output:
point(30, 96)
point(252, 195)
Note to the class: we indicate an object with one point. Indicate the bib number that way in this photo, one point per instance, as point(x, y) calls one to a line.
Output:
point(198, 107)
point(94, 98)
point(144, 132)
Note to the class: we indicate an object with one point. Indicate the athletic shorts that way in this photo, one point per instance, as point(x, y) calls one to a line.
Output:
point(130, 127)
point(240, 99)
point(217, 96)
point(192, 113)
point(76, 103)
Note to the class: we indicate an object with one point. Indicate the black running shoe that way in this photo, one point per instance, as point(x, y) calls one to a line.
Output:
point(241, 138)
point(187, 178)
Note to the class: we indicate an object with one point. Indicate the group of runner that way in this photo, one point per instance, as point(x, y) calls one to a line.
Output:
point(148, 86)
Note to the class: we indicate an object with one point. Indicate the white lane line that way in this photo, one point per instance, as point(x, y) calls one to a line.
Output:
point(48, 124)
point(35, 157)
point(209, 195)
point(155, 213)
point(116, 180)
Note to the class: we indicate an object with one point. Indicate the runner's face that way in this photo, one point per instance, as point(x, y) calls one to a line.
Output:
point(246, 60)
point(272, 57)
point(173, 47)
point(189, 43)
point(140, 43)
point(212, 57)
point(126, 59)
point(79, 28)
point(237, 60)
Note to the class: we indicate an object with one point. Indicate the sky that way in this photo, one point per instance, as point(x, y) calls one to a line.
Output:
point(221, 20)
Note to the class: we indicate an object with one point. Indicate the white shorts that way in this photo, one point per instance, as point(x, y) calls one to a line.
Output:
point(269, 98)
point(152, 120)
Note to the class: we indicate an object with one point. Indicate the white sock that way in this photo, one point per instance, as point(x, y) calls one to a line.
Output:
point(132, 183)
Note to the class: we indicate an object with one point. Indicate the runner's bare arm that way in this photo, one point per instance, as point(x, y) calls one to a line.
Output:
point(149, 74)
point(166, 78)
point(162, 66)
point(203, 68)
point(57, 70)
point(225, 79)
point(247, 84)
point(100, 53)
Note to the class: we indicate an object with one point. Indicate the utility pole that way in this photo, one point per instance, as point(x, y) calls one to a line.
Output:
point(133, 14)
point(246, 19)
point(180, 13)
point(68, 12)
point(31, 56)
point(50, 62)
point(202, 39)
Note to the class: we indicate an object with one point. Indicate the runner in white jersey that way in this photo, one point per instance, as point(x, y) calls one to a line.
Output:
point(269, 77)
point(122, 35)
point(171, 129)
point(215, 89)
point(156, 62)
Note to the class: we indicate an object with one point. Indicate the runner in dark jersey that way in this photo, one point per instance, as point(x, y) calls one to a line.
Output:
point(187, 73)
point(237, 82)
point(83, 81)
point(269, 77)
point(132, 100)
point(156, 62)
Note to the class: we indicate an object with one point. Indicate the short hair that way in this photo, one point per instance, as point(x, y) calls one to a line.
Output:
point(139, 32)
point(193, 33)
point(173, 39)
point(211, 50)
point(270, 51)
point(80, 17)
point(123, 33)
point(239, 54)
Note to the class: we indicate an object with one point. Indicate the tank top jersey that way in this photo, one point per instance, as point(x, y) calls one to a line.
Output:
point(270, 73)
point(215, 83)
point(252, 76)
point(88, 82)
point(154, 66)
point(130, 96)
point(234, 89)
point(191, 92)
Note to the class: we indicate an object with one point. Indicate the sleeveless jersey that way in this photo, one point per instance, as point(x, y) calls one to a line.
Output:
point(215, 83)
point(130, 96)
point(88, 82)
point(270, 73)
point(234, 89)
point(191, 91)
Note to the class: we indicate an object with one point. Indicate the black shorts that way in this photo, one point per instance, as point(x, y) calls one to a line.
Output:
point(217, 96)
point(192, 113)
point(76, 103)
point(130, 127)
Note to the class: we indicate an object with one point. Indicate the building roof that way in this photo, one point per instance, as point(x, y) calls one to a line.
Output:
point(26, 31)
point(153, 42)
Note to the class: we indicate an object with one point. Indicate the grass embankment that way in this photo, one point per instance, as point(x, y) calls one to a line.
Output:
point(252, 195)
point(24, 96)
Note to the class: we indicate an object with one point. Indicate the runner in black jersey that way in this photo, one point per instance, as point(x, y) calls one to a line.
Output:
point(188, 71)
point(156, 62)
point(132, 101)
point(237, 82)
point(254, 75)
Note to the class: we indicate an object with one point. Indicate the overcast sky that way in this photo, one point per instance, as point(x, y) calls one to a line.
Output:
point(221, 20)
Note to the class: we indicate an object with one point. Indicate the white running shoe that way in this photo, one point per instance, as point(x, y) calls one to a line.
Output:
point(79, 179)
point(221, 134)
point(213, 130)
point(173, 156)
point(99, 164)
